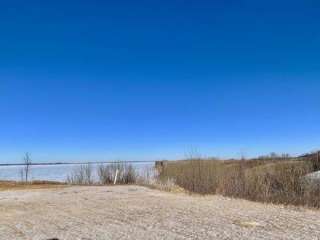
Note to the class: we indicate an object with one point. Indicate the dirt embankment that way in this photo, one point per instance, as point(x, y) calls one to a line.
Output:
point(132, 212)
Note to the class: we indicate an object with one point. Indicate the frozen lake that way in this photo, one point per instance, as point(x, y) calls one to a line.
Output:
point(53, 172)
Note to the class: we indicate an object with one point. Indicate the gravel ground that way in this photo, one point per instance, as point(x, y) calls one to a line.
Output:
point(132, 212)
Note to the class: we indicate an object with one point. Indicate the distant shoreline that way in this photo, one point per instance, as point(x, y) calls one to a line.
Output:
point(71, 163)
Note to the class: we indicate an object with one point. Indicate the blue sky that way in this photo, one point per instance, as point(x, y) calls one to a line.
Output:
point(141, 80)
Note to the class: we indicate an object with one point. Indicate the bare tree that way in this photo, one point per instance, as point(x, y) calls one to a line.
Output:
point(25, 171)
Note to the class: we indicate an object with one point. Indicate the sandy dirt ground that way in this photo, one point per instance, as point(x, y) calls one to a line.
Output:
point(132, 212)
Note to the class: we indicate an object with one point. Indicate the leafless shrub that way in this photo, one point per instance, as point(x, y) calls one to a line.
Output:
point(126, 173)
point(81, 175)
point(147, 176)
point(130, 175)
point(105, 174)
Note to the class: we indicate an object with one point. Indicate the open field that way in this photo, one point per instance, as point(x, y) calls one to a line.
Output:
point(133, 212)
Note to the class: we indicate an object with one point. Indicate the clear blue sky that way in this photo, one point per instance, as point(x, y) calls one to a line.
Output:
point(102, 80)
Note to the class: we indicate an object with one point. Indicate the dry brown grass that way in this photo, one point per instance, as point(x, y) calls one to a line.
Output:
point(12, 185)
point(275, 180)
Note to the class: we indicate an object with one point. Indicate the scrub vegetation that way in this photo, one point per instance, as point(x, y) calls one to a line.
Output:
point(114, 173)
point(274, 179)
point(279, 179)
